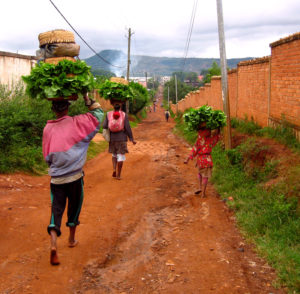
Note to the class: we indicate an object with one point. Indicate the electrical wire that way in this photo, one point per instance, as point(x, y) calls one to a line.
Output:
point(103, 59)
point(188, 39)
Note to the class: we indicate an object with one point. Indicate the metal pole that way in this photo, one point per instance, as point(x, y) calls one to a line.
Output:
point(176, 94)
point(146, 80)
point(224, 74)
point(168, 97)
point(128, 66)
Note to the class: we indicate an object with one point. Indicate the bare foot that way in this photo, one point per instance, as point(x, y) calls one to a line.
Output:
point(73, 244)
point(203, 195)
point(118, 178)
point(54, 257)
point(114, 174)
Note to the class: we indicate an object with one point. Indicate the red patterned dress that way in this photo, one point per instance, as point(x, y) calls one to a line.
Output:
point(203, 147)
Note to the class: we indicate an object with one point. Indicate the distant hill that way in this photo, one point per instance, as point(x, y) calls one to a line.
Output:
point(159, 66)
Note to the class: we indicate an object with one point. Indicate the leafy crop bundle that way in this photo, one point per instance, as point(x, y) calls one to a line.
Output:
point(115, 91)
point(65, 79)
point(205, 114)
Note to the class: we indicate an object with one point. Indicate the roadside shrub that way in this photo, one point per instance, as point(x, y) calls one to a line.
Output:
point(140, 97)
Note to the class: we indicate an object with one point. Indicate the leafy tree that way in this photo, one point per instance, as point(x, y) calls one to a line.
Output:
point(152, 84)
point(192, 77)
point(215, 70)
point(182, 90)
point(140, 97)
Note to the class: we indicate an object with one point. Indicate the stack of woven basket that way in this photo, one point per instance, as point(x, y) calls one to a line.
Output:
point(57, 45)
point(119, 80)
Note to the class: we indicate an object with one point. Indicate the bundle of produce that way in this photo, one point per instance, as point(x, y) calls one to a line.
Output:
point(65, 80)
point(204, 116)
point(114, 91)
point(57, 43)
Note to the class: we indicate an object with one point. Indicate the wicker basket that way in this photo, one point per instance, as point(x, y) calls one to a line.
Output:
point(119, 80)
point(73, 97)
point(56, 60)
point(56, 36)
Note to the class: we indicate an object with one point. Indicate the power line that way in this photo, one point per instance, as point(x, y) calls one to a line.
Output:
point(188, 39)
point(103, 59)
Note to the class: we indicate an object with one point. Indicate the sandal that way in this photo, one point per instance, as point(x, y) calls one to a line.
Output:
point(114, 174)
point(197, 192)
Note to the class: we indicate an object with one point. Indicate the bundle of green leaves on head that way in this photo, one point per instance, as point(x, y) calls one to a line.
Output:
point(64, 79)
point(213, 119)
point(115, 91)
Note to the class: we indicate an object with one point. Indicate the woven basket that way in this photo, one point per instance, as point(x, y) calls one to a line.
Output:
point(119, 80)
point(73, 97)
point(56, 36)
point(56, 60)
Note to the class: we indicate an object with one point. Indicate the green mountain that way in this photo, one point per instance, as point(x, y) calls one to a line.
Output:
point(159, 66)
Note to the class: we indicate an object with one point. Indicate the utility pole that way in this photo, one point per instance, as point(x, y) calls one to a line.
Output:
point(176, 94)
point(128, 65)
point(168, 97)
point(225, 97)
point(146, 80)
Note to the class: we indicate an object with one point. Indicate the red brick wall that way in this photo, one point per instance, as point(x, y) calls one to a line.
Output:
point(285, 82)
point(253, 85)
point(256, 93)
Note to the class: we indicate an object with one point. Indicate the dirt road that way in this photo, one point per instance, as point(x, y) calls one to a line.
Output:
point(147, 233)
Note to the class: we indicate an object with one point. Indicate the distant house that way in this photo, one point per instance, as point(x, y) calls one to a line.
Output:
point(140, 80)
point(13, 66)
point(165, 79)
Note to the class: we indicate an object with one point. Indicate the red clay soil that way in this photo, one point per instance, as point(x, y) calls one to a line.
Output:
point(147, 233)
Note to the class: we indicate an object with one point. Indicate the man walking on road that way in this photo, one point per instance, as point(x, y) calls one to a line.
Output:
point(65, 144)
point(167, 115)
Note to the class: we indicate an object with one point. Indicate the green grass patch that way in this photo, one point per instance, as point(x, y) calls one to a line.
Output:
point(96, 148)
point(283, 134)
point(266, 217)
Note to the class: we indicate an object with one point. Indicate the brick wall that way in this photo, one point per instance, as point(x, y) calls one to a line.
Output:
point(253, 86)
point(264, 89)
point(285, 79)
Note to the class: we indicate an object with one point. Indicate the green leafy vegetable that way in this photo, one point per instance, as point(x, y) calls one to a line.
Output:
point(115, 91)
point(65, 79)
point(205, 114)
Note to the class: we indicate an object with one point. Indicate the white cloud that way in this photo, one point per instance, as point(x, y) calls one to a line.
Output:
point(160, 26)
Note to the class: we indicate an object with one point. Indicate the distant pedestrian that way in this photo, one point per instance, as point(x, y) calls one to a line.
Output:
point(167, 115)
point(202, 151)
point(118, 124)
point(65, 144)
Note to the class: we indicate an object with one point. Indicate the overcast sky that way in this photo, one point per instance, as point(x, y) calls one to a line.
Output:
point(160, 26)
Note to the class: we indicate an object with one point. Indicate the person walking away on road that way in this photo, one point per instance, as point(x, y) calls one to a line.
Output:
point(167, 114)
point(65, 144)
point(118, 124)
point(202, 150)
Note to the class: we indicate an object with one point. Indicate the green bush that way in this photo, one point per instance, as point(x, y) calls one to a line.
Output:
point(22, 121)
point(140, 97)
point(21, 129)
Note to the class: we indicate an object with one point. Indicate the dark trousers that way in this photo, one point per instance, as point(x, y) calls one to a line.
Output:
point(59, 194)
